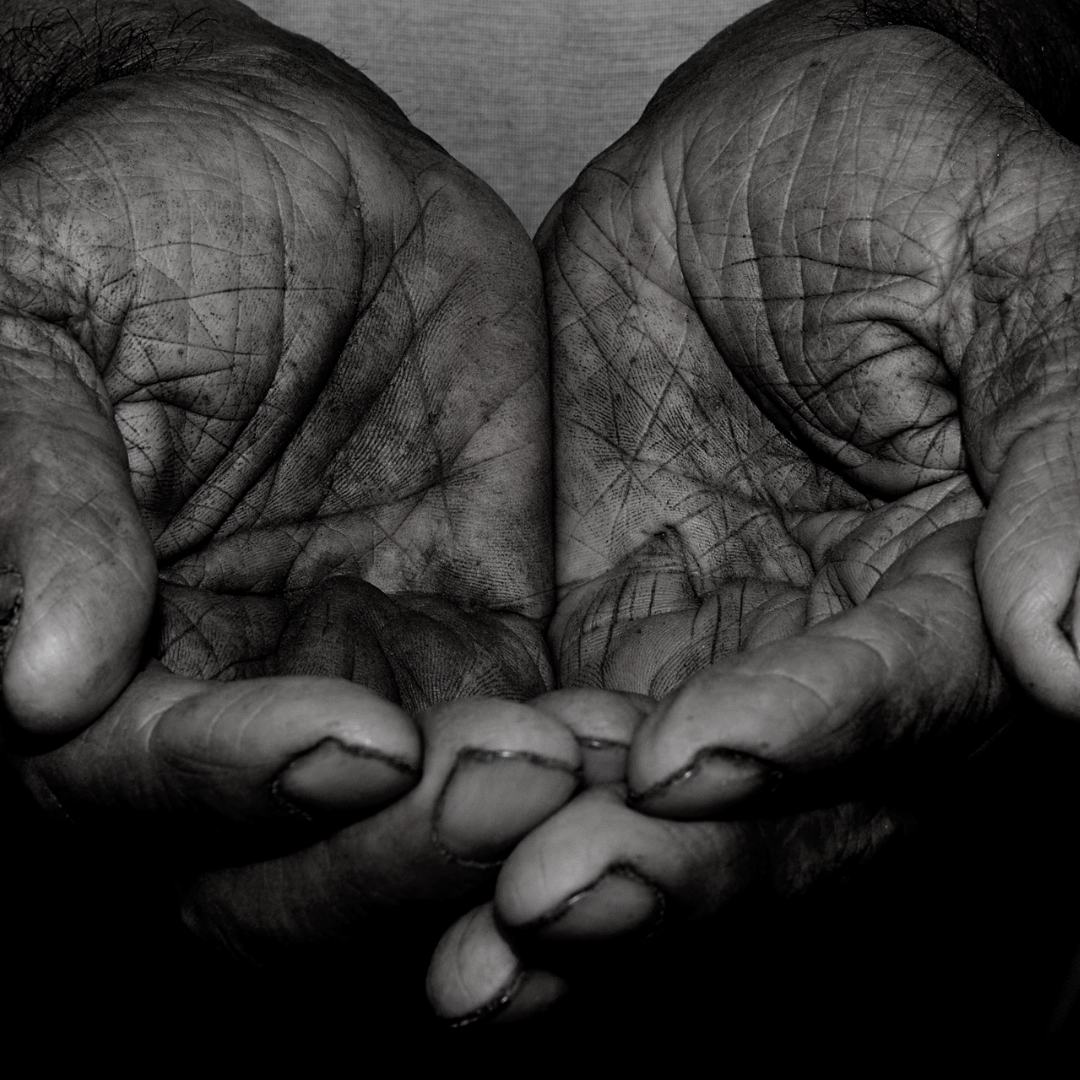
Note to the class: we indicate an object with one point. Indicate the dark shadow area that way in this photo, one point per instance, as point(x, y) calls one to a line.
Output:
point(952, 949)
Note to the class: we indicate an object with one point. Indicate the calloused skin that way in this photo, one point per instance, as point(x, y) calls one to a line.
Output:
point(815, 388)
point(294, 387)
point(268, 357)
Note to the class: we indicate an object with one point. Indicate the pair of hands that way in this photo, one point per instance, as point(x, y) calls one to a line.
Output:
point(276, 475)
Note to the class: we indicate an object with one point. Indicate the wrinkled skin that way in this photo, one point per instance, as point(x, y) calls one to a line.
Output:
point(815, 387)
point(269, 356)
point(767, 506)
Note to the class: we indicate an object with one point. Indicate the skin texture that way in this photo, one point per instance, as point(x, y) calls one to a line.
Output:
point(813, 377)
point(268, 359)
point(791, 314)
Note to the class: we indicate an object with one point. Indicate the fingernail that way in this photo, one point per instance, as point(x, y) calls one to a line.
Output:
point(491, 1008)
point(620, 902)
point(529, 994)
point(536, 991)
point(494, 797)
point(11, 593)
point(603, 761)
point(716, 780)
point(337, 778)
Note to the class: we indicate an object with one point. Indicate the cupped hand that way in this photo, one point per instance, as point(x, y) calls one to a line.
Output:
point(810, 317)
point(263, 338)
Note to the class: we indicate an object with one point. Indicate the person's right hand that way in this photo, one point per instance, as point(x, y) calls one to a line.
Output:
point(259, 333)
point(810, 315)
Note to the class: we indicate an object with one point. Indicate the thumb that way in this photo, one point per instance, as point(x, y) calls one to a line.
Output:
point(1028, 562)
point(77, 568)
point(1020, 387)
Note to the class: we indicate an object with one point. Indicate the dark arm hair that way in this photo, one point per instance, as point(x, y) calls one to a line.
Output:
point(51, 52)
point(53, 55)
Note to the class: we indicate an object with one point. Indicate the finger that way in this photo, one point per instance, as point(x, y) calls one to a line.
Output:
point(77, 567)
point(1020, 384)
point(908, 672)
point(493, 770)
point(196, 760)
point(598, 875)
point(476, 975)
point(595, 870)
point(599, 870)
point(603, 722)
point(1028, 566)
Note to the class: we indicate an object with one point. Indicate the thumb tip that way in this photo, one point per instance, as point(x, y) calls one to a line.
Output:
point(55, 683)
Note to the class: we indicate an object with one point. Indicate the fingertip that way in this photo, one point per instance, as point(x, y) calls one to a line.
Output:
point(620, 901)
point(476, 977)
point(335, 777)
point(320, 730)
point(1037, 637)
point(77, 610)
point(687, 760)
point(556, 868)
point(716, 781)
point(1043, 657)
point(81, 567)
point(910, 665)
point(494, 770)
point(492, 798)
point(590, 713)
point(474, 971)
point(603, 722)
point(64, 668)
point(370, 726)
point(219, 758)
point(535, 993)
point(1027, 566)
point(319, 746)
point(1042, 648)
point(497, 725)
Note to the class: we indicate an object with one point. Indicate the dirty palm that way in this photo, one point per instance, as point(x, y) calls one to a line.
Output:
point(277, 365)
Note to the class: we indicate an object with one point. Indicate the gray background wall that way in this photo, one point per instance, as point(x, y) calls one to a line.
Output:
point(523, 92)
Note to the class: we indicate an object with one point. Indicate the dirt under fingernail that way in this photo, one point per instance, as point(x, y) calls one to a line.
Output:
point(493, 798)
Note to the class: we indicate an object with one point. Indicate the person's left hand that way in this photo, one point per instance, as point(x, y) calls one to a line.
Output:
point(786, 311)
